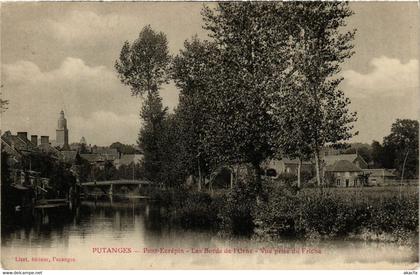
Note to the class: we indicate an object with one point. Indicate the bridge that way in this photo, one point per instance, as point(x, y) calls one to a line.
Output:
point(110, 187)
point(118, 182)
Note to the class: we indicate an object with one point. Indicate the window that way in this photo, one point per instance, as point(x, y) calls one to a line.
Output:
point(338, 182)
point(288, 170)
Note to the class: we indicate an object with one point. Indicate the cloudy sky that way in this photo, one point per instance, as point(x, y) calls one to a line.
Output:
point(61, 56)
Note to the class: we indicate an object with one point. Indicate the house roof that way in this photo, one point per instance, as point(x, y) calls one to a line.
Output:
point(129, 158)
point(19, 144)
point(93, 157)
point(331, 159)
point(293, 161)
point(380, 172)
point(343, 166)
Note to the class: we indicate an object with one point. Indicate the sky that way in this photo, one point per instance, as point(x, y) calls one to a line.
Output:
point(61, 56)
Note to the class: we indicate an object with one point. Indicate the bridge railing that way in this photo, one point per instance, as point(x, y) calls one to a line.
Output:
point(116, 182)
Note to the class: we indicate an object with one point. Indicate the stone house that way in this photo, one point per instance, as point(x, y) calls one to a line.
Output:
point(381, 176)
point(356, 159)
point(343, 173)
point(275, 167)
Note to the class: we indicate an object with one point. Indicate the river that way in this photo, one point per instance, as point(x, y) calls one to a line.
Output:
point(130, 234)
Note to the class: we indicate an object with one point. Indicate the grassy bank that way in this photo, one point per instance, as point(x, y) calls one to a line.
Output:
point(280, 212)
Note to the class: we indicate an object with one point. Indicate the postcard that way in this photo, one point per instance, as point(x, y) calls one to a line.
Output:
point(209, 135)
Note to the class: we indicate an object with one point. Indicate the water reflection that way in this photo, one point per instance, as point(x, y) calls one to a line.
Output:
point(137, 224)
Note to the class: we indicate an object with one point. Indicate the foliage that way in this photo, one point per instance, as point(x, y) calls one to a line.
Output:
point(151, 133)
point(403, 143)
point(123, 148)
point(279, 216)
point(321, 47)
point(172, 173)
point(188, 209)
point(191, 71)
point(3, 102)
point(250, 66)
point(143, 65)
point(197, 210)
point(336, 214)
point(237, 212)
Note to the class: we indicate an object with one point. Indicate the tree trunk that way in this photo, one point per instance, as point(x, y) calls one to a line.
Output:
point(318, 179)
point(199, 175)
point(298, 173)
point(257, 171)
point(237, 174)
point(231, 177)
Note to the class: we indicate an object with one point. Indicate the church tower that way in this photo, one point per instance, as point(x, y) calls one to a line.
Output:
point(62, 133)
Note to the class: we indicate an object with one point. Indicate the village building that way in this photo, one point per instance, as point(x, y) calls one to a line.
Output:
point(109, 153)
point(356, 159)
point(128, 159)
point(381, 176)
point(343, 173)
point(275, 167)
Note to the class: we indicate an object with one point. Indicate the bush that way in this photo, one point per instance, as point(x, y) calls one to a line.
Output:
point(326, 215)
point(279, 216)
point(282, 212)
point(197, 210)
point(188, 209)
point(236, 214)
point(394, 215)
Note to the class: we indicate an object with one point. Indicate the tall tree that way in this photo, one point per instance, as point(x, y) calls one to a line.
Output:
point(143, 66)
point(252, 63)
point(403, 143)
point(150, 137)
point(191, 71)
point(320, 49)
point(293, 123)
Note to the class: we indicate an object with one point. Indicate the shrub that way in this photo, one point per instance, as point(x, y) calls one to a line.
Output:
point(279, 216)
point(197, 210)
point(236, 214)
point(327, 215)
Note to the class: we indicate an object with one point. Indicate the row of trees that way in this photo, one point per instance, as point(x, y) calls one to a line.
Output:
point(265, 82)
point(400, 146)
point(400, 149)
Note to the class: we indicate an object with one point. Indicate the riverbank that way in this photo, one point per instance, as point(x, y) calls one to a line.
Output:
point(283, 213)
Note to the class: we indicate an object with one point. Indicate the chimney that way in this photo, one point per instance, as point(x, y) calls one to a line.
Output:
point(45, 140)
point(34, 140)
point(22, 135)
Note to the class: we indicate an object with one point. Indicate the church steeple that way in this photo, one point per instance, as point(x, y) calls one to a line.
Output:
point(62, 133)
point(62, 121)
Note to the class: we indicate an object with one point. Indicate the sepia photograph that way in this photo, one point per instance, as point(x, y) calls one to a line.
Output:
point(210, 135)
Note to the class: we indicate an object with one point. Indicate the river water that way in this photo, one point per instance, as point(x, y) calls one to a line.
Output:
point(130, 234)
